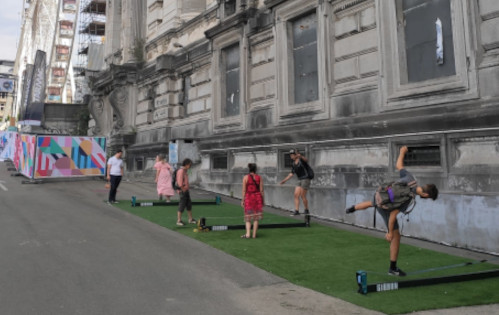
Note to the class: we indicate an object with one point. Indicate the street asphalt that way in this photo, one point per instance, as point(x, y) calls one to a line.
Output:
point(65, 251)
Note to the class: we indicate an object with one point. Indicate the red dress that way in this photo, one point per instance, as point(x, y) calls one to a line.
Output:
point(253, 201)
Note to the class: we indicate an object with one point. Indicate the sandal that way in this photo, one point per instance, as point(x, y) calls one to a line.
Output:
point(244, 236)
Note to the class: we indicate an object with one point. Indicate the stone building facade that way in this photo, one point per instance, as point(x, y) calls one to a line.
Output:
point(347, 82)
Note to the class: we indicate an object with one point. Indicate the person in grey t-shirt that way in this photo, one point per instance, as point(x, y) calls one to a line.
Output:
point(390, 216)
point(298, 167)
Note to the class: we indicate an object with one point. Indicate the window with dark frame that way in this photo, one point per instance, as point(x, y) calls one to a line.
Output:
point(139, 164)
point(229, 7)
point(305, 59)
point(419, 36)
point(220, 162)
point(288, 162)
point(185, 101)
point(423, 156)
point(231, 89)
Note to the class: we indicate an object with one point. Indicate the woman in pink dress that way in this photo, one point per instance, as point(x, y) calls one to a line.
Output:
point(163, 178)
point(252, 200)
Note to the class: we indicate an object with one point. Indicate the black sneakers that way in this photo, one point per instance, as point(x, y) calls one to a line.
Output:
point(396, 272)
point(350, 210)
point(296, 212)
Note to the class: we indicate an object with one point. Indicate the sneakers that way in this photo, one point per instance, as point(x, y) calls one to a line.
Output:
point(192, 221)
point(396, 272)
point(296, 212)
point(306, 211)
point(180, 223)
point(350, 210)
point(116, 201)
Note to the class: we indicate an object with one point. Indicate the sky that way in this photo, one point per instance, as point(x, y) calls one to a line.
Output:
point(10, 28)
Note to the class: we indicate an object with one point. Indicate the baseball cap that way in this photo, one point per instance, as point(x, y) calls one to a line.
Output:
point(293, 151)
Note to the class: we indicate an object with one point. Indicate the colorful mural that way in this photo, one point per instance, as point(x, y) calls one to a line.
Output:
point(7, 145)
point(24, 156)
point(61, 156)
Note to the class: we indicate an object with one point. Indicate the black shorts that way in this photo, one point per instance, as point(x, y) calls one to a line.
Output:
point(385, 214)
point(185, 201)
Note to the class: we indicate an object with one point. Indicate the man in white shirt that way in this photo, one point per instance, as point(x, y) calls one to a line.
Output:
point(114, 174)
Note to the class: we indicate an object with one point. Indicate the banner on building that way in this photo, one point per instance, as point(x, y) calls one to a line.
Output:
point(7, 85)
point(36, 96)
point(27, 76)
point(64, 156)
point(173, 153)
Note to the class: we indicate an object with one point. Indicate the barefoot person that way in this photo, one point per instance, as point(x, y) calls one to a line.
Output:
point(390, 213)
point(304, 173)
point(252, 200)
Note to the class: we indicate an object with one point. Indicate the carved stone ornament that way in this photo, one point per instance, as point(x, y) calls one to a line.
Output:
point(96, 108)
point(117, 99)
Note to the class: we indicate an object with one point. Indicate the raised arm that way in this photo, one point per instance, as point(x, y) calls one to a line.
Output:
point(302, 157)
point(400, 160)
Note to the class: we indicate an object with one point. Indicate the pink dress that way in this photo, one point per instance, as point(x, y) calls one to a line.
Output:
point(164, 184)
point(253, 200)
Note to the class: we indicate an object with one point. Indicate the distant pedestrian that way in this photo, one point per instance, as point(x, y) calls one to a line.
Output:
point(390, 201)
point(114, 175)
point(252, 200)
point(185, 201)
point(305, 174)
point(163, 178)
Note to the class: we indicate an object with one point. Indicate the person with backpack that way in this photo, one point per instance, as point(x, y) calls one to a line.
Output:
point(182, 187)
point(252, 200)
point(305, 174)
point(389, 200)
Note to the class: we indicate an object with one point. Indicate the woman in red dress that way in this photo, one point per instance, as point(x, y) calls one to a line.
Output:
point(252, 200)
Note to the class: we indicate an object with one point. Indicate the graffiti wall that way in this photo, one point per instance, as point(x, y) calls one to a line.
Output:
point(64, 156)
point(25, 154)
point(7, 145)
point(36, 156)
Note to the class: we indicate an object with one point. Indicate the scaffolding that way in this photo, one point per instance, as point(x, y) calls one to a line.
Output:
point(92, 29)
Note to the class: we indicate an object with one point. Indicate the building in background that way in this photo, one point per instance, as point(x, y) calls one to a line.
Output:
point(346, 82)
point(48, 27)
point(8, 85)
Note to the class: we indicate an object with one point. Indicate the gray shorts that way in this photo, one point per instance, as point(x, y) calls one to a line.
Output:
point(304, 183)
point(385, 214)
point(185, 201)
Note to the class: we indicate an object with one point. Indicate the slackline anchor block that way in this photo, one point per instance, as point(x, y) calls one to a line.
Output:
point(136, 203)
point(365, 288)
point(204, 227)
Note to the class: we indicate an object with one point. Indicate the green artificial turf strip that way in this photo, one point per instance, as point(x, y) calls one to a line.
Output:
point(326, 259)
